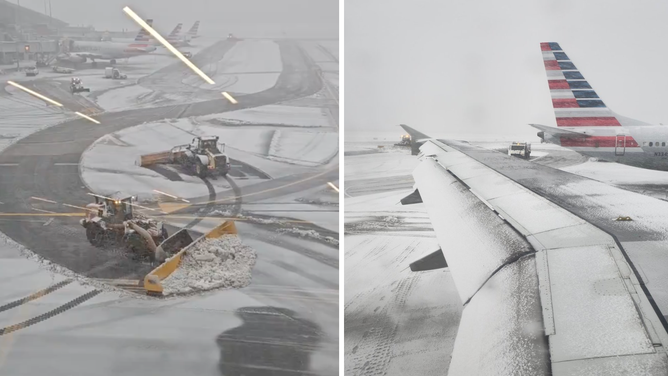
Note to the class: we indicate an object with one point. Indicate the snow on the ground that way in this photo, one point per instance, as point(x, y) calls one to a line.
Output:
point(224, 262)
point(249, 67)
point(134, 96)
point(314, 205)
point(111, 163)
point(388, 308)
point(276, 115)
point(615, 173)
point(23, 114)
point(379, 165)
point(303, 147)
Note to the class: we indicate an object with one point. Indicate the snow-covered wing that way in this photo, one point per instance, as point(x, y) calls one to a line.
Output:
point(545, 291)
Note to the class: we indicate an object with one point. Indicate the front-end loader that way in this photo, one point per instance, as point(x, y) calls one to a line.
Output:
point(110, 222)
point(202, 157)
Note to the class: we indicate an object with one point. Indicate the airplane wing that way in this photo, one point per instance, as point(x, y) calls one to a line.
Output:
point(558, 132)
point(545, 292)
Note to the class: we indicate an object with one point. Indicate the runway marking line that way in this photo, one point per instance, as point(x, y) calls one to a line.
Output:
point(268, 190)
point(43, 199)
point(44, 211)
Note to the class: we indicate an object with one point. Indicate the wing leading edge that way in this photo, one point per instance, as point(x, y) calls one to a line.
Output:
point(545, 292)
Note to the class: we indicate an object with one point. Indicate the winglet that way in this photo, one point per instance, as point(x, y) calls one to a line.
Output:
point(415, 134)
point(417, 138)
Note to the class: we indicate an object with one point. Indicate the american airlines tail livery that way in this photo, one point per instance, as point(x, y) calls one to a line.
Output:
point(80, 51)
point(192, 33)
point(586, 125)
point(174, 38)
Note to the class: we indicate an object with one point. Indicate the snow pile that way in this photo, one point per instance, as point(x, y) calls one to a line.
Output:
point(221, 213)
point(213, 263)
point(263, 221)
point(382, 223)
point(310, 234)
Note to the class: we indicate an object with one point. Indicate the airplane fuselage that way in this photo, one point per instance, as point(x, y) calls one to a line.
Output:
point(110, 50)
point(639, 146)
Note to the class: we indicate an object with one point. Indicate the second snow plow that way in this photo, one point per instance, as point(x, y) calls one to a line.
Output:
point(202, 156)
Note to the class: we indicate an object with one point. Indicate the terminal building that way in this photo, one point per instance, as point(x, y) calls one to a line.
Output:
point(26, 34)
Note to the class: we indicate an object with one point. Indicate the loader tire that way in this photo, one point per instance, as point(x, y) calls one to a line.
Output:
point(95, 235)
point(200, 170)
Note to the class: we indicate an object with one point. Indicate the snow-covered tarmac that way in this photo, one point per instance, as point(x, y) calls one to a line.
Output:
point(404, 322)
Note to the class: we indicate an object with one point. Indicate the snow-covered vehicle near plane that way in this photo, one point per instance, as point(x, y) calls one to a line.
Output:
point(57, 69)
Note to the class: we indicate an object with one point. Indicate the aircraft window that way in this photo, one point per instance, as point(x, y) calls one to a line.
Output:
point(663, 144)
point(650, 144)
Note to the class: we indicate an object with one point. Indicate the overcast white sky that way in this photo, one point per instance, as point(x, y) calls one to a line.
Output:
point(476, 67)
point(257, 17)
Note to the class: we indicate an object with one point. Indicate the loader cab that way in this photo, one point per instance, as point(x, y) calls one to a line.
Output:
point(206, 143)
point(114, 209)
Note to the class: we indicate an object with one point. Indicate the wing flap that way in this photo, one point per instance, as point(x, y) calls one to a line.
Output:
point(500, 332)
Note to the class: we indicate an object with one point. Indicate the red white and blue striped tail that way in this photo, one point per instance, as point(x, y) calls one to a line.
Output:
point(575, 102)
point(193, 30)
point(143, 35)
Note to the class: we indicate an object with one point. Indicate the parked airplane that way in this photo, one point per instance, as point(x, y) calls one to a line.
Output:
point(586, 125)
point(192, 33)
point(80, 51)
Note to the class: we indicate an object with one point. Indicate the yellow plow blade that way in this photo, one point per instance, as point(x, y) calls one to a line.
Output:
point(155, 158)
point(178, 244)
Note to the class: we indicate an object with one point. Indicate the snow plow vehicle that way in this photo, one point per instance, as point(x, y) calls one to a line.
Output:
point(110, 222)
point(520, 149)
point(76, 86)
point(405, 140)
point(202, 157)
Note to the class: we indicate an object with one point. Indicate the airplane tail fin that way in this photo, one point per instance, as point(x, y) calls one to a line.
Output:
point(193, 30)
point(575, 102)
point(176, 31)
point(143, 35)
